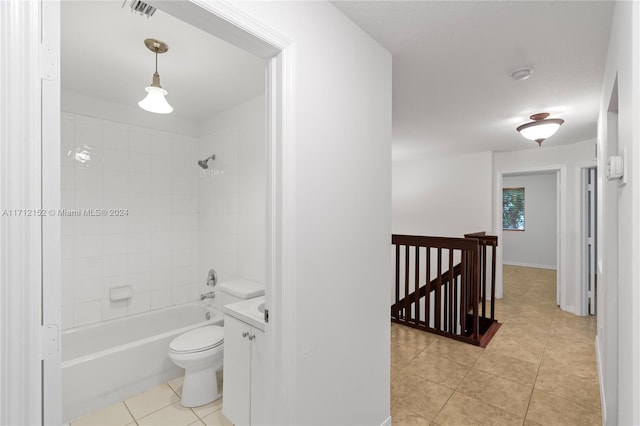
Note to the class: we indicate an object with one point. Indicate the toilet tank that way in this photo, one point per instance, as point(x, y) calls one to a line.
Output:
point(239, 289)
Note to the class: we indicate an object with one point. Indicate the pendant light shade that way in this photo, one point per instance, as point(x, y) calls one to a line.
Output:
point(540, 128)
point(155, 100)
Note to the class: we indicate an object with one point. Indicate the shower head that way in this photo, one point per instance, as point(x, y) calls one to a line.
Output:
point(205, 163)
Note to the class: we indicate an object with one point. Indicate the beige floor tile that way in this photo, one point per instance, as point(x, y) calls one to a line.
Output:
point(216, 419)
point(546, 409)
point(402, 354)
point(522, 329)
point(439, 370)
point(152, 400)
point(585, 391)
point(464, 410)
point(520, 347)
point(407, 336)
point(418, 395)
point(176, 385)
point(173, 415)
point(462, 353)
point(205, 410)
point(113, 415)
point(582, 365)
point(404, 417)
point(514, 369)
point(505, 394)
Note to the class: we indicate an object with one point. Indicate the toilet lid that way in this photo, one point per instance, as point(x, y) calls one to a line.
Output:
point(198, 340)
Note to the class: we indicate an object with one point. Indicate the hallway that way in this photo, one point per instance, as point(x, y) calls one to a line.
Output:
point(539, 369)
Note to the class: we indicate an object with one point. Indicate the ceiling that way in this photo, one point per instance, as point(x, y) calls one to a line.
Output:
point(103, 55)
point(452, 90)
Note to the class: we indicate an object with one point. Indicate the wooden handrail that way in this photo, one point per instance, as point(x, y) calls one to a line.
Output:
point(450, 303)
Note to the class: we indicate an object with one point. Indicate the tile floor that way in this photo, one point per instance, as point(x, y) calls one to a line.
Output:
point(157, 406)
point(539, 369)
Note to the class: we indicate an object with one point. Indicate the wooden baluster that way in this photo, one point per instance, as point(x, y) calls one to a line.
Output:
point(445, 302)
point(463, 293)
point(438, 302)
point(474, 289)
point(427, 299)
point(451, 285)
point(416, 287)
point(407, 307)
point(397, 279)
point(483, 268)
point(493, 280)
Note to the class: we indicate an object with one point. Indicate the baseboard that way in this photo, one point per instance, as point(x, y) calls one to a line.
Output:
point(601, 381)
point(387, 422)
point(571, 309)
point(528, 265)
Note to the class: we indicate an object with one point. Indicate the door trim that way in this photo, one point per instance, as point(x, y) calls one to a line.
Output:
point(561, 226)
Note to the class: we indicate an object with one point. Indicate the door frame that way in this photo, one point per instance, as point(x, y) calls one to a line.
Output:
point(581, 171)
point(225, 21)
point(561, 226)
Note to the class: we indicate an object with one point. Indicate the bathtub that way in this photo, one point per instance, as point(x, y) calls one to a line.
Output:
point(108, 362)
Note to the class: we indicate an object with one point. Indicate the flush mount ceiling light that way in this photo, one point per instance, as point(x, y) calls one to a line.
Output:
point(155, 100)
point(521, 73)
point(540, 128)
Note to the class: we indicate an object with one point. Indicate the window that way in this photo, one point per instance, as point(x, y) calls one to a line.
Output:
point(513, 209)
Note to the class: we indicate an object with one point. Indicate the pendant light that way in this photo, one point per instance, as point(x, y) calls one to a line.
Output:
point(540, 128)
point(155, 100)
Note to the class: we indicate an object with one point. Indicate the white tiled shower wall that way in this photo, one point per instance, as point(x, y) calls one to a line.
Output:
point(178, 215)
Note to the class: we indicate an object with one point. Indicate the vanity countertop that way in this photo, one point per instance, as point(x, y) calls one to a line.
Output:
point(247, 311)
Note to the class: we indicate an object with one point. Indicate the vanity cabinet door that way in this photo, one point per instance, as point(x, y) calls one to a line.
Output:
point(236, 399)
point(257, 377)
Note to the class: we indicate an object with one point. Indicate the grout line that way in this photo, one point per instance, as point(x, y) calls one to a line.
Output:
point(130, 413)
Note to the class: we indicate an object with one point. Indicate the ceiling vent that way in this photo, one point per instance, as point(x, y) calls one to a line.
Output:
point(140, 7)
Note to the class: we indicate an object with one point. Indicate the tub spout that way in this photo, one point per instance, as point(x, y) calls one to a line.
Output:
point(209, 295)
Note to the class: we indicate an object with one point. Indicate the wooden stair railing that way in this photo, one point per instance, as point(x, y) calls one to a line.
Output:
point(450, 303)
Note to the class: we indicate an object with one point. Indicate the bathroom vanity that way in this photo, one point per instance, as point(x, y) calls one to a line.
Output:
point(243, 371)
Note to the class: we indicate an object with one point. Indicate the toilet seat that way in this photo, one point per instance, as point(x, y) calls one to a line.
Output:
point(198, 340)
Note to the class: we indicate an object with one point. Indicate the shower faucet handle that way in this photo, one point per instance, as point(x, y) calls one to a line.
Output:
point(209, 295)
point(212, 278)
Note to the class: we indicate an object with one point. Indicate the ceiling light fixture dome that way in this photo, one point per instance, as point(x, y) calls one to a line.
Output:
point(521, 73)
point(540, 128)
point(155, 100)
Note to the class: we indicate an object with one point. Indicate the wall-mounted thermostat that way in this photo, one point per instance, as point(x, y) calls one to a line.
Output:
point(615, 168)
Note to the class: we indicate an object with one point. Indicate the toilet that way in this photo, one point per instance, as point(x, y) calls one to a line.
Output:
point(200, 351)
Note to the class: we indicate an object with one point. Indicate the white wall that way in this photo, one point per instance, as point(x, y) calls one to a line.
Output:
point(443, 196)
point(342, 173)
point(153, 176)
point(180, 221)
point(571, 158)
point(232, 195)
point(618, 329)
point(342, 97)
point(536, 245)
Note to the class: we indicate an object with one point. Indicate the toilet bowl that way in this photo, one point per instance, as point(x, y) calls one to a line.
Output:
point(200, 351)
